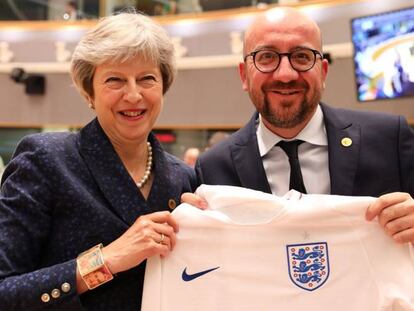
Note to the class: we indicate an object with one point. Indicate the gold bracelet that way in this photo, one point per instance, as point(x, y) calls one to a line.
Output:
point(92, 268)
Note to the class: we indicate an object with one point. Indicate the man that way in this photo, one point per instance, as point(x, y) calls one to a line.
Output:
point(190, 156)
point(343, 152)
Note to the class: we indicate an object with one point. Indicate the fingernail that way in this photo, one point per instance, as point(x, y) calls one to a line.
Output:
point(203, 205)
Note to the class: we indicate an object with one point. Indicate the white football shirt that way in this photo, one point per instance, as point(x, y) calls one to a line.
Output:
point(255, 251)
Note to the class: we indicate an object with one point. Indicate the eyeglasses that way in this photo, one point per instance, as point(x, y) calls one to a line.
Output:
point(268, 61)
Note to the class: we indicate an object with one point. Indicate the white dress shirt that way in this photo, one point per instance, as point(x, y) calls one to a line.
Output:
point(313, 157)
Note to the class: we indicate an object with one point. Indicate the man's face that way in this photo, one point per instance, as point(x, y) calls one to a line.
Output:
point(285, 98)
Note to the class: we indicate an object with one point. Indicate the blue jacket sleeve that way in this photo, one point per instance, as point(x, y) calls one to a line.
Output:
point(27, 280)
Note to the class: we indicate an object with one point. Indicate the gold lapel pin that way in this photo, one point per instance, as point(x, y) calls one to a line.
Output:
point(346, 142)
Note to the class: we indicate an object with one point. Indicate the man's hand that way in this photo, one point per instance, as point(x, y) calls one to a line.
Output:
point(395, 213)
point(193, 199)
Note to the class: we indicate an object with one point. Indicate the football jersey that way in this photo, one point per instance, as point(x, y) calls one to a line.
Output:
point(254, 251)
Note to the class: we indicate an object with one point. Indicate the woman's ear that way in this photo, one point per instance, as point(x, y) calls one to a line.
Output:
point(90, 102)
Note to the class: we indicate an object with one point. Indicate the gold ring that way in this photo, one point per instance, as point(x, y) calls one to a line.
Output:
point(162, 238)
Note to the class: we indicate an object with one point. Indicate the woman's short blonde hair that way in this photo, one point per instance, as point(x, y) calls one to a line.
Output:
point(119, 38)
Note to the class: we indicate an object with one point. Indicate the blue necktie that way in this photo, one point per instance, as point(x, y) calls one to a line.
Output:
point(291, 149)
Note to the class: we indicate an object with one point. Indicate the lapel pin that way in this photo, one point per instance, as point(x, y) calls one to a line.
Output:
point(346, 142)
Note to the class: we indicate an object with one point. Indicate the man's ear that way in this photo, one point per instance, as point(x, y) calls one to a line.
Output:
point(325, 66)
point(242, 73)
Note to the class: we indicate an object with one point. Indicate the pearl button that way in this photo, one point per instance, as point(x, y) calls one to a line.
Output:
point(55, 293)
point(65, 287)
point(45, 297)
point(171, 204)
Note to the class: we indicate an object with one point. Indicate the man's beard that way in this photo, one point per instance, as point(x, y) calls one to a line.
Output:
point(285, 119)
point(281, 117)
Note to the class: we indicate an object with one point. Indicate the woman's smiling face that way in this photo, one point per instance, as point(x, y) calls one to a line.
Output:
point(128, 98)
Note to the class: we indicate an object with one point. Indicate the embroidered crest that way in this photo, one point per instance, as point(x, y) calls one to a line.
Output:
point(308, 264)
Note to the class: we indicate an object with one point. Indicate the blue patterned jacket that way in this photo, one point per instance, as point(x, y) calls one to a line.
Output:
point(63, 193)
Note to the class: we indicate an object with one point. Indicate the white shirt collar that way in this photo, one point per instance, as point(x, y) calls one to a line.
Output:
point(314, 133)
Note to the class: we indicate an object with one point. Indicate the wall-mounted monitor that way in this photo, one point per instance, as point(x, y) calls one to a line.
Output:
point(384, 54)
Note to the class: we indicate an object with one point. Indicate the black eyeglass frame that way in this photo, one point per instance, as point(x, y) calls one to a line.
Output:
point(288, 55)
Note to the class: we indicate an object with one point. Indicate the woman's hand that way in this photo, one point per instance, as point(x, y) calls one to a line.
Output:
point(194, 199)
point(152, 234)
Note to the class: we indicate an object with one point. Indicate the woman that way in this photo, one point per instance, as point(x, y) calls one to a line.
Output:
point(63, 194)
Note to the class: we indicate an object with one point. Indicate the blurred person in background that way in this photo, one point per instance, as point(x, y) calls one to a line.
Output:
point(71, 11)
point(216, 137)
point(191, 155)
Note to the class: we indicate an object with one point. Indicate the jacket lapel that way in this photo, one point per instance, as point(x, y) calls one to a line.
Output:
point(344, 147)
point(165, 190)
point(112, 178)
point(247, 160)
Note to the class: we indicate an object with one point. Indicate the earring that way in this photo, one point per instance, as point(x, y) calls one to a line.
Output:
point(91, 106)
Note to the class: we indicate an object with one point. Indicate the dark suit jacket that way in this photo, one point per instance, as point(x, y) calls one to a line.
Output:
point(380, 159)
point(63, 193)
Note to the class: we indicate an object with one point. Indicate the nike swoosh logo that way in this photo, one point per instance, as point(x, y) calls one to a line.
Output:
point(189, 277)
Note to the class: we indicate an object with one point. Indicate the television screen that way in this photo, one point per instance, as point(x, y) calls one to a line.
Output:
point(384, 54)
